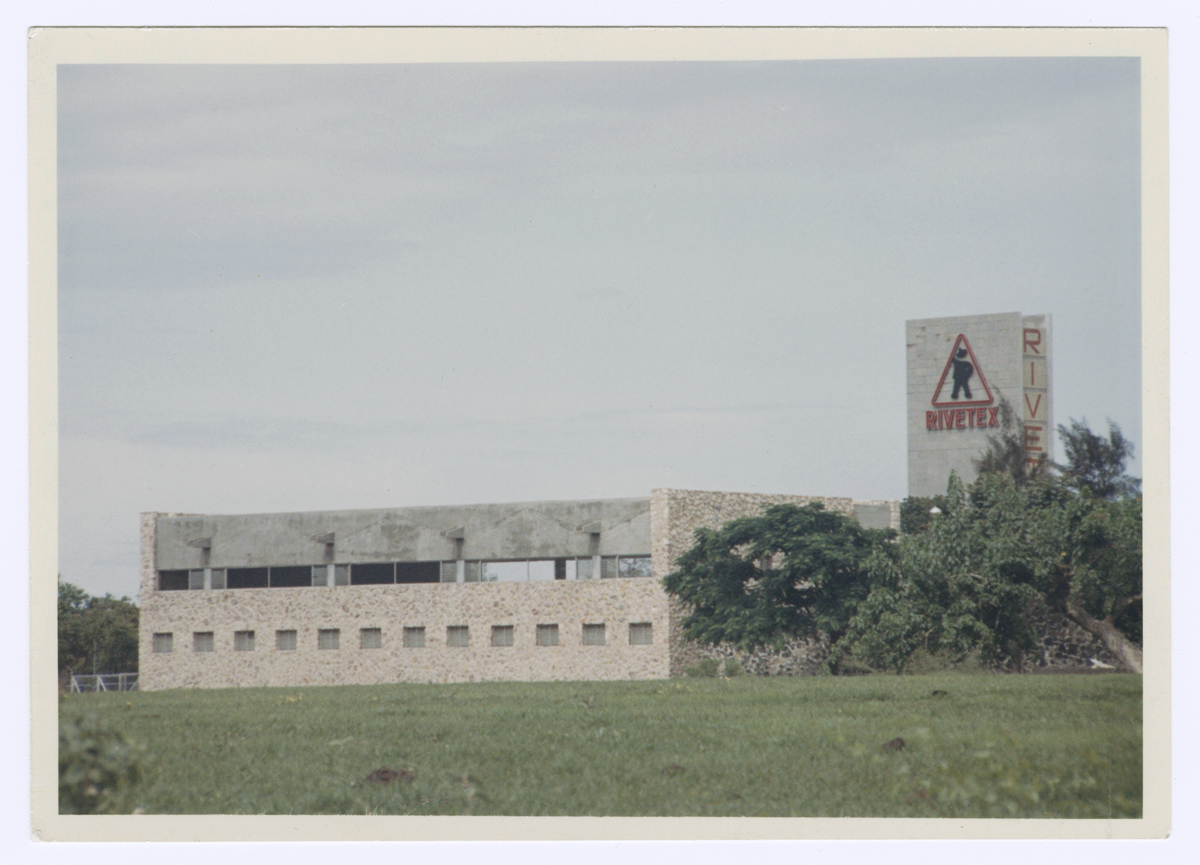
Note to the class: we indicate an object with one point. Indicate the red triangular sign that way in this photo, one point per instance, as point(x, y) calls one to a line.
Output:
point(967, 385)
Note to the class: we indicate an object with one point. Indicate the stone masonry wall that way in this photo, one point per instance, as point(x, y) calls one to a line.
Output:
point(795, 658)
point(616, 603)
point(1062, 645)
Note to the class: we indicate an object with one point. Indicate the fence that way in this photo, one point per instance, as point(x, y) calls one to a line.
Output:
point(106, 682)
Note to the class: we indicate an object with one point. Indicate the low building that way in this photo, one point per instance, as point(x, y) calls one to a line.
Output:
point(567, 590)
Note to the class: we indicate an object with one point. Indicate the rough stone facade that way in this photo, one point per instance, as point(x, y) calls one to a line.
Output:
point(371, 620)
point(616, 604)
point(676, 514)
point(794, 658)
point(1064, 646)
point(210, 643)
point(662, 525)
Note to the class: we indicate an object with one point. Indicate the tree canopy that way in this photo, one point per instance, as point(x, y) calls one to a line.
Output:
point(1015, 546)
point(994, 564)
point(790, 572)
point(1098, 464)
point(95, 633)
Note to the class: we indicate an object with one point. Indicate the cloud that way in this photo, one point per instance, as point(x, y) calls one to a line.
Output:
point(284, 287)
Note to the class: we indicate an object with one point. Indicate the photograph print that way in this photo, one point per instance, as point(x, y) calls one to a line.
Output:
point(723, 438)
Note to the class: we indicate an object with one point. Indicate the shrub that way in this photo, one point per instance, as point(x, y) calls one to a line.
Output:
point(706, 669)
point(732, 668)
point(96, 767)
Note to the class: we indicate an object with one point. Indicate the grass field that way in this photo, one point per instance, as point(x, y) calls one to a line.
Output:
point(975, 746)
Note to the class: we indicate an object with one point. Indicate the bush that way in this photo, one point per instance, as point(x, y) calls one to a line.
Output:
point(706, 669)
point(732, 668)
point(96, 767)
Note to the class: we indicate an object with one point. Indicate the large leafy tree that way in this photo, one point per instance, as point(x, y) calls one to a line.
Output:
point(791, 571)
point(994, 563)
point(979, 576)
point(1097, 578)
point(963, 584)
point(99, 633)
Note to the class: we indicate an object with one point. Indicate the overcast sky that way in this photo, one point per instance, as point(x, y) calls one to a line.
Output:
point(323, 287)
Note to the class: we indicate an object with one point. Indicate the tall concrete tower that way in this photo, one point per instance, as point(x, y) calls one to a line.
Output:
point(960, 370)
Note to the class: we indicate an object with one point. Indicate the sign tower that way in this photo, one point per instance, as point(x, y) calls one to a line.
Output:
point(960, 372)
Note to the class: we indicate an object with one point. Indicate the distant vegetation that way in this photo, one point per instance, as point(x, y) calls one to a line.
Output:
point(95, 634)
point(945, 745)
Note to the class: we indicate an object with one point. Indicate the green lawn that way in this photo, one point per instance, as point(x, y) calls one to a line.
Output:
point(990, 746)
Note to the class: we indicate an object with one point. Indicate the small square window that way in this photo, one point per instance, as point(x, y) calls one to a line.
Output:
point(341, 575)
point(202, 641)
point(502, 635)
point(370, 638)
point(608, 567)
point(285, 641)
point(320, 575)
point(449, 572)
point(547, 635)
point(162, 643)
point(458, 636)
point(243, 641)
point(583, 569)
point(218, 578)
point(328, 638)
point(414, 638)
point(196, 579)
point(593, 635)
point(472, 572)
point(641, 634)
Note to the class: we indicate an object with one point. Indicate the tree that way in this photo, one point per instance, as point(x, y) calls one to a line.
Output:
point(995, 563)
point(1005, 452)
point(789, 572)
point(1014, 546)
point(95, 633)
point(916, 513)
point(963, 585)
point(1097, 579)
point(1096, 464)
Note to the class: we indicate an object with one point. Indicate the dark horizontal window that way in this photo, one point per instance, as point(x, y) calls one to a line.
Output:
point(418, 572)
point(635, 566)
point(291, 577)
point(372, 575)
point(172, 581)
point(246, 578)
point(387, 573)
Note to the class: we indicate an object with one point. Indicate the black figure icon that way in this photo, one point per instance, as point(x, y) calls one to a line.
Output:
point(963, 370)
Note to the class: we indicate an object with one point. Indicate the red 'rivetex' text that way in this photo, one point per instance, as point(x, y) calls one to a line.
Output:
point(962, 418)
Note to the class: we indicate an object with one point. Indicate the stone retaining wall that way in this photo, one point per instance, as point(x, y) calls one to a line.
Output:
point(1062, 646)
